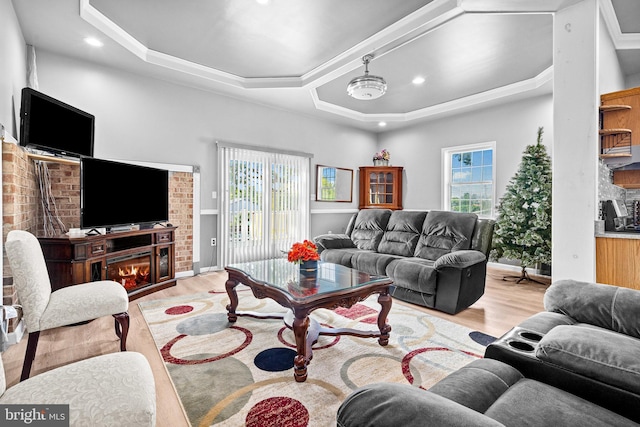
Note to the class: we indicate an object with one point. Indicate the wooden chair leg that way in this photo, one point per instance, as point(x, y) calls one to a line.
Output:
point(30, 354)
point(122, 328)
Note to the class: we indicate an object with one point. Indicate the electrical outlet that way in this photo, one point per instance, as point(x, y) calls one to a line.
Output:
point(214, 241)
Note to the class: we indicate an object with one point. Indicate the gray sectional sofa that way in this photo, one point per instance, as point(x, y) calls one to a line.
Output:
point(587, 343)
point(436, 259)
point(575, 364)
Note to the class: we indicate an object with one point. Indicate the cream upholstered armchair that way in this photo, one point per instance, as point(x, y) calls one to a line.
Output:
point(114, 389)
point(43, 309)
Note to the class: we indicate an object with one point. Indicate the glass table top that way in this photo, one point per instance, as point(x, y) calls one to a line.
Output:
point(328, 278)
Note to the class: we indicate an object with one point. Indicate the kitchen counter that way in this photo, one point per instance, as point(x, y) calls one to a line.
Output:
point(627, 234)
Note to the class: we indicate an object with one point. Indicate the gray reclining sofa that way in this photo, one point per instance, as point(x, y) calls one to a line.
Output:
point(575, 364)
point(436, 259)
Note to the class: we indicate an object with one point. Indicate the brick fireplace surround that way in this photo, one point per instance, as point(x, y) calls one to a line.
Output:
point(22, 209)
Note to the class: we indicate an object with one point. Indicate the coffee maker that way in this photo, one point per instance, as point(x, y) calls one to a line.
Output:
point(614, 213)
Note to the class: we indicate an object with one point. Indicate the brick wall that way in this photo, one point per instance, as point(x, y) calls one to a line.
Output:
point(19, 201)
point(22, 209)
point(65, 187)
point(181, 215)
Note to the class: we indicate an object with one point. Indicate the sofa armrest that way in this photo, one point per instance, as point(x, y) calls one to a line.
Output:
point(459, 259)
point(392, 405)
point(478, 385)
point(333, 241)
point(606, 306)
point(597, 353)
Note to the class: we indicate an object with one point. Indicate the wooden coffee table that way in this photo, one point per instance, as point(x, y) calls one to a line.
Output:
point(331, 286)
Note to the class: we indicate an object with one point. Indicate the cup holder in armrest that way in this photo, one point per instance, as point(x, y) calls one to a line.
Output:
point(531, 336)
point(517, 343)
point(520, 345)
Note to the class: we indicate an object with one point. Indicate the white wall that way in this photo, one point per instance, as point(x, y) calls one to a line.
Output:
point(13, 70)
point(145, 119)
point(633, 80)
point(513, 126)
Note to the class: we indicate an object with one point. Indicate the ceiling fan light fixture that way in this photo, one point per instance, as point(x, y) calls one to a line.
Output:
point(367, 87)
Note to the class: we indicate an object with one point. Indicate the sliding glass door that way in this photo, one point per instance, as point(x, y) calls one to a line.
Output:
point(264, 204)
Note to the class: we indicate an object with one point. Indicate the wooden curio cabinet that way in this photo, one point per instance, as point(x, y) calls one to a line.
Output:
point(381, 187)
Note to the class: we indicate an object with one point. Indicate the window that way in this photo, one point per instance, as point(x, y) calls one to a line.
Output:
point(264, 205)
point(469, 176)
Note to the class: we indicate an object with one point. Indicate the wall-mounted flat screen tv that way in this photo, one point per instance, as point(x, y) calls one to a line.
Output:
point(53, 126)
point(119, 194)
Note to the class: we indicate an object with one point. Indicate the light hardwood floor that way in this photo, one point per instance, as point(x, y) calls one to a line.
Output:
point(503, 305)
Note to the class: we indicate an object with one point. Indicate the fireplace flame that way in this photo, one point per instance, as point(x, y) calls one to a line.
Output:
point(133, 276)
point(129, 271)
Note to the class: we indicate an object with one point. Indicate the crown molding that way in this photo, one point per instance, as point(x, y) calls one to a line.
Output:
point(525, 88)
point(621, 41)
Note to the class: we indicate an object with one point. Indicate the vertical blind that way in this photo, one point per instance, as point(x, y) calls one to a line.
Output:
point(264, 203)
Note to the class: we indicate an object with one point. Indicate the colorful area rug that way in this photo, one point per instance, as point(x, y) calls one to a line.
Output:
point(242, 374)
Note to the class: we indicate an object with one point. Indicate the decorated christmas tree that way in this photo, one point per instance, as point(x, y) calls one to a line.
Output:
point(523, 227)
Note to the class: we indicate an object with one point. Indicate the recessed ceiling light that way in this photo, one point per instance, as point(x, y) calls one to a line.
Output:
point(418, 80)
point(382, 124)
point(93, 42)
point(263, 1)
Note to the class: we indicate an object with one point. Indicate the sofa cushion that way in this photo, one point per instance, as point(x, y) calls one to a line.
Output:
point(444, 232)
point(598, 353)
point(477, 385)
point(372, 262)
point(393, 405)
point(339, 256)
point(369, 228)
point(606, 306)
point(532, 403)
point(483, 235)
point(402, 233)
point(541, 323)
point(415, 274)
point(333, 241)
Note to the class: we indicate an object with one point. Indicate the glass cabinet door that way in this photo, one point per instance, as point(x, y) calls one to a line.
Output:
point(381, 187)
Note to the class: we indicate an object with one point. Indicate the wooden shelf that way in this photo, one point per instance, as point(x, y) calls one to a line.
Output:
point(610, 156)
point(53, 159)
point(614, 107)
point(613, 131)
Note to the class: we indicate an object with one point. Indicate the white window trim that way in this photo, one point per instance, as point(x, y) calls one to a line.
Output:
point(446, 153)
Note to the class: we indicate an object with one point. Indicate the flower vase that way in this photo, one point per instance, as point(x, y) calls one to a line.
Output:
point(308, 268)
point(381, 162)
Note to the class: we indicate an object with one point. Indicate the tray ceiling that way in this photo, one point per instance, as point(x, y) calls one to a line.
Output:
point(300, 54)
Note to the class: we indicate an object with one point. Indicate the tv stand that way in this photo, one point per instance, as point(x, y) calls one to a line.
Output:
point(143, 261)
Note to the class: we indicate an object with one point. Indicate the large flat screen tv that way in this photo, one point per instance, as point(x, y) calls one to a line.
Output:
point(53, 126)
point(118, 194)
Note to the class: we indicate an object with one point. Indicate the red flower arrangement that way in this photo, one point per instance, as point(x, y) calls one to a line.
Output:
point(301, 252)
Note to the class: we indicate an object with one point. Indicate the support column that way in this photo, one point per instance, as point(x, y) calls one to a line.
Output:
point(575, 140)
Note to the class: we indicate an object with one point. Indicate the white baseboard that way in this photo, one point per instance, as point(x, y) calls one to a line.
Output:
point(517, 268)
point(187, 273)
point(210, 269)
